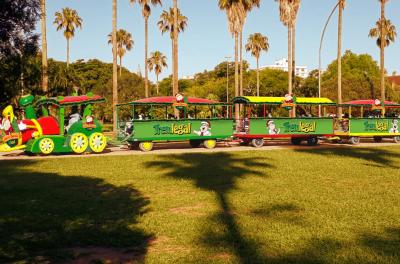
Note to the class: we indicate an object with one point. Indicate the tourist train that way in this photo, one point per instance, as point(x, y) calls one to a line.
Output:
point(68, 124)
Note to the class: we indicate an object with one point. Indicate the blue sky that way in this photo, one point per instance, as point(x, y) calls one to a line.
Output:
point(206, 41)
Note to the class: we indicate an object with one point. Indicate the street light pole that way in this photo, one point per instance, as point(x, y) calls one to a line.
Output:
point(227, 78)
point(320, 51)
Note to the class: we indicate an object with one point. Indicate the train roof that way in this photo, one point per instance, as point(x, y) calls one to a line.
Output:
point(168, 100)
point(72, 100)
point(279, 100)
point(367, 102)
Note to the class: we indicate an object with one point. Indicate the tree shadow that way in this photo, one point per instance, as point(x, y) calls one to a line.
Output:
point(46, 215)
point(283, 212)
point(376, 157)
point(218, 173)
point(386, 244)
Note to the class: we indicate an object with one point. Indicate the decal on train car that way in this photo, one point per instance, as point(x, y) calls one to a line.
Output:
point(285, 126)
point(368, 126)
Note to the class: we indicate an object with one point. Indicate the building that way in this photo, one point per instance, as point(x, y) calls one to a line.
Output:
point(282, 64)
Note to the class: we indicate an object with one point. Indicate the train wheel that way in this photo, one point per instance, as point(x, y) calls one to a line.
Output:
point(354, 140)
point(133, 145)
point(46, 146)
point(296, 141)
point(378, 139)
point(97, 142)
point(79, 143)
point(195, 143)
point(245, 142)
point(396, 139)
point(146, 146)
point(257, 142)
point(210, 143)
point(312, 141)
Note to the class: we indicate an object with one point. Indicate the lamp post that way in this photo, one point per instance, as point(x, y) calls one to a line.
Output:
point(227, 78)
point(320, 51)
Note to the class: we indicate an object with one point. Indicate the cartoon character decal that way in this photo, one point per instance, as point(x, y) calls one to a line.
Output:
point(179, 98)
point(395, 126)
point(205, 129)
point(289, 99)
point(272, 130)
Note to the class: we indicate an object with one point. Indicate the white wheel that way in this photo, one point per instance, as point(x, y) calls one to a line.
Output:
point(257, 142)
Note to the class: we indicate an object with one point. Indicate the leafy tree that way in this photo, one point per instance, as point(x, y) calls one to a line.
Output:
point(361, 76)
point(18, 21)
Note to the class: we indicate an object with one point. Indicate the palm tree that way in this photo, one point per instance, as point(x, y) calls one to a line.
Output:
point(115, 67)
point(339, 55)
point(248, 5)
point(385, 31)
point(45, 77)
point(157, 62)
point(166, 24)
point(256, 44)
point(175, 83)
point(68, 19)
point(235, 15)
point(288, 10)
point(124, 43)
point(146, 12)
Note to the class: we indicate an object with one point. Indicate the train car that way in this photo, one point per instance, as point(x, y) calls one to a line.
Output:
point(368, 119)
point(47, 129)
point(267, 118)
point(174, 118)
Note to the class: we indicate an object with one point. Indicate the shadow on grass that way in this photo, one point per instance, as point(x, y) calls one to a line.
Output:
point(377, 157)
point(386, 244)
point(284, 212)
point(46, 215)
point(218, 173)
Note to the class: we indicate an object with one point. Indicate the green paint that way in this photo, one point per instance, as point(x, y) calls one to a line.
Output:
point(368, 126)
point(164, 130)
point(26, 102)
point(88, 111)
point(290, 126)
point(61, 120)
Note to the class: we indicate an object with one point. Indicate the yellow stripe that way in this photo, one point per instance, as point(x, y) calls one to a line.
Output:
point(278, 100)
point(39, 128)
point(374, 134)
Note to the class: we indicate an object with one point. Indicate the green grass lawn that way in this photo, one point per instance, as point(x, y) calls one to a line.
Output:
point(283, 206)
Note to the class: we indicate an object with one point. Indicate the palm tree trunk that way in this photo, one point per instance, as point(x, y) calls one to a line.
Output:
point(294, 63)
point(146, 46)
point(241, 62)
point(175, 83)
point(67, 52)
point(175, 49)
point(339, 61)
point(382, 55)
point(294, 56)
point(258, 77)
point(45, 77)
point(157, 85)
point(120, 66)
point(237, 107)
point(115, 68)
point(290, 64)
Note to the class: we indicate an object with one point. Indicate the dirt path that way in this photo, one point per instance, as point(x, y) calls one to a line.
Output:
point(183, 147)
